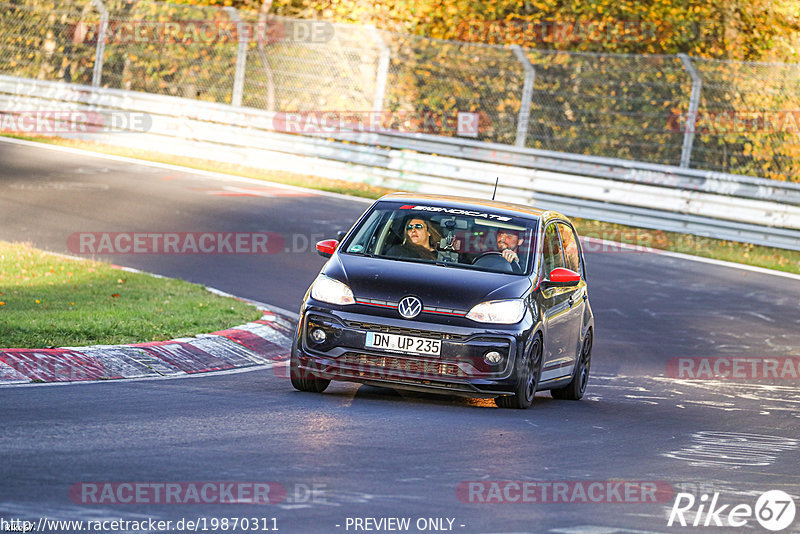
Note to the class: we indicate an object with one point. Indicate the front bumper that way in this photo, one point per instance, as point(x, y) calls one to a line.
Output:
point(459, 369)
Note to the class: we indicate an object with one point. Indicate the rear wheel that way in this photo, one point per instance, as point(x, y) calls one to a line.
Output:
point(529, 369)
point(580, 377)
point(303, 380)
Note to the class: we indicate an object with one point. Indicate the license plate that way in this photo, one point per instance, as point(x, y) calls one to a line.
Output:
point(416, 345)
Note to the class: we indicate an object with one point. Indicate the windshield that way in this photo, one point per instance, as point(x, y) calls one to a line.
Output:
point(454, 237)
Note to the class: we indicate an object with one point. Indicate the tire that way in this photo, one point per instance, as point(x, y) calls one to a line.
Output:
point(529, 371)
point(303, 380)
point(580, 376)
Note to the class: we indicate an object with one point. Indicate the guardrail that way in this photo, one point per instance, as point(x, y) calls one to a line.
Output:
point(706, 203)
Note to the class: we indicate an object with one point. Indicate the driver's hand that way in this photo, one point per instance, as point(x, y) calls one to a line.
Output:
point(510, 256)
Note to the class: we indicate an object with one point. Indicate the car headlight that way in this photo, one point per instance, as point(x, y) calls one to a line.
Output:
point(331, 291)
point(498, 311)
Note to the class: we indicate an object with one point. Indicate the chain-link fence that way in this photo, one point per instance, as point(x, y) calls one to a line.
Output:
point(608, 105)
point(46, 41)
point(719, 115)
point(749, 119)
point(297, 65)
point(169, 49)
point(443, 78)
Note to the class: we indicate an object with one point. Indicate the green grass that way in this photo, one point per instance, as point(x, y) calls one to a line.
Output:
point(767, 257)
point(51, 301)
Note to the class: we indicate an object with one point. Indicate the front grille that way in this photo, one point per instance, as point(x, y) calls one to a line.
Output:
point(369, 364)
point(385, 329)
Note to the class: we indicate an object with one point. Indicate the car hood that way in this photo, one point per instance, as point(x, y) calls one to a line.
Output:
point(440, 286)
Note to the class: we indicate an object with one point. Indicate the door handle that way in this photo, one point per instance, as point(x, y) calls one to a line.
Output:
point(572, 300)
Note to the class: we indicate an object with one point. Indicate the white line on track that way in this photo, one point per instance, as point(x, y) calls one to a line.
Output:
point(680, 256)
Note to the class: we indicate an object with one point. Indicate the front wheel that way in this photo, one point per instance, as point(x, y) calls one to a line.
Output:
point(303, 380)
point(580, 377)
point(529, 370)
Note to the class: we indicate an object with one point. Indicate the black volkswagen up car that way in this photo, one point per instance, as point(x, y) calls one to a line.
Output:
point(455, 295)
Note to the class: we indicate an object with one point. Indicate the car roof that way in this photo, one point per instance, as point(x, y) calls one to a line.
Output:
point(508, 208)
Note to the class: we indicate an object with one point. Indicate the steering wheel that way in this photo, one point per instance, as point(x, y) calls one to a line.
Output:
point(495, 260)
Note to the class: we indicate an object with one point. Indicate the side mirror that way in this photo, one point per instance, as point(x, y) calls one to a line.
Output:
point(561, 277)
point(327, 248)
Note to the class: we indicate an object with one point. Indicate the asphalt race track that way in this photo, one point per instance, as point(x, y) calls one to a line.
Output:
point(356, 453)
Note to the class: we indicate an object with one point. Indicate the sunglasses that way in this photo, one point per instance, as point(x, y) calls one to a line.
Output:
point(418, 226)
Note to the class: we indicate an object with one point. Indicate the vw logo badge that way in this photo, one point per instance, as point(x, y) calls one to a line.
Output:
point(409, 307)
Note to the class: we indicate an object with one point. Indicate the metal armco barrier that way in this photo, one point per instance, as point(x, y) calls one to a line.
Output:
point(706, 203)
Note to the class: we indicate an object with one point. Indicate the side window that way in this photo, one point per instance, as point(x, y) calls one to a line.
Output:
point(570, 245)
point(551, 250)
point(365, 237)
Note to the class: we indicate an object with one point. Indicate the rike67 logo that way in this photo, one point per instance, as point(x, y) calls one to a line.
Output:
point(774, 510)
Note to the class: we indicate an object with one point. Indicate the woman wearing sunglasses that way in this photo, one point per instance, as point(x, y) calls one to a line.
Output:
point(419, 240)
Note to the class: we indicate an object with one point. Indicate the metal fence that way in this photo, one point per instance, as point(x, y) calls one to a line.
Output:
point(734, 117)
